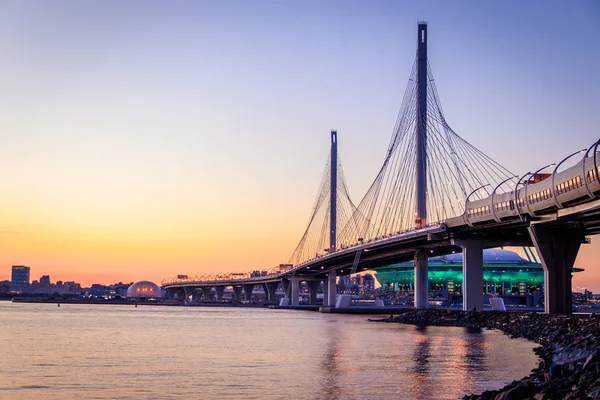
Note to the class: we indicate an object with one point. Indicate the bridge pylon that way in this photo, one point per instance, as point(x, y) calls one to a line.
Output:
point(333, 195)
point(421, 262)
point(332, 209)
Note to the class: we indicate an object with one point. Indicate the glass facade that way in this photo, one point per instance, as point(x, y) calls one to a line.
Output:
point(20, 278)
point(504, 273)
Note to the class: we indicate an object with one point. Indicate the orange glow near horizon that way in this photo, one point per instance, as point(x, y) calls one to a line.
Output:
point(111, 252)
point(131, 248)
point(152, 139)
point(150, 239)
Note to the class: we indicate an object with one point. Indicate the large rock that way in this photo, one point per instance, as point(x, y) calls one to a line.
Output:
point(518, 393)
point(572, 343)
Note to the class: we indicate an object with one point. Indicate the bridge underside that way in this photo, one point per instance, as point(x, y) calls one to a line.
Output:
point(557, 238)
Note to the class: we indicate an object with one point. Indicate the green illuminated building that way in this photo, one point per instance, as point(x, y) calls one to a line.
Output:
point(505, 273)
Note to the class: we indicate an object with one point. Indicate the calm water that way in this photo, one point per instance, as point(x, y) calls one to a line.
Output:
point(109, 352)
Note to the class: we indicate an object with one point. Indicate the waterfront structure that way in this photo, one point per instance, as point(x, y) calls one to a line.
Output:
point(144, 290)
point(435, 192)
point(20, 278)
point(505, 273)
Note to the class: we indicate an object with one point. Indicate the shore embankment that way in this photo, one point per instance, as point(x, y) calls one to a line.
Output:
point(129, 302)
point(569, 354)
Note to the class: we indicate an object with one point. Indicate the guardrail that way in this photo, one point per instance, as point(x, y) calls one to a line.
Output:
point(247, 276)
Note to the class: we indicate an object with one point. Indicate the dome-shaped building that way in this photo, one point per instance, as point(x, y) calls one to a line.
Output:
point(145, 290)
point(505, 273)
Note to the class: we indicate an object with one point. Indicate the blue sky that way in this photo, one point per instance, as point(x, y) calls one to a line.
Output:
point(117, 112)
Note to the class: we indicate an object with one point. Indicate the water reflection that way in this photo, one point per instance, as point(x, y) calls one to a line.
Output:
point(458, 360)
point(474, 346)
point(419, 374)
point(244, 353)
point(330, 388)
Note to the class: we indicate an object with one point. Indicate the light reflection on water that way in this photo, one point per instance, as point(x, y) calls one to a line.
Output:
point(106, 352)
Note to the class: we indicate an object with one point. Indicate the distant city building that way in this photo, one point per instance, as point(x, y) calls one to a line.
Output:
point(4, 287)
point(20, 284)
point(20, 278)
point(356, 284)
point(115, 290)
point(368, 282)
point(98, 290)
point(120, 289)
point(45, 286)
point(68, 287)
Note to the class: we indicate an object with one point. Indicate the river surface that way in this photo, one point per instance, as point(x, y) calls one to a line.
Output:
point(110, 352)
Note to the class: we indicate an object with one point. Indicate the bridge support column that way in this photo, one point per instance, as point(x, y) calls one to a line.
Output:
point(171, 293)
point(188, 292)
point(557, 249)
point(195, 296)
point(472, 284)
point(295, 282)
point(421, 280)
point(331, 288)
point(206, 293)
point(285, 283)
point(270, 290)
point(219, 292)
point(313, 286)
point(248, 291)
point(237, 294)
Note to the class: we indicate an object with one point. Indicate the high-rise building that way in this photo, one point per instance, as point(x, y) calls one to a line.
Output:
point(45, 280)
point(20, 278)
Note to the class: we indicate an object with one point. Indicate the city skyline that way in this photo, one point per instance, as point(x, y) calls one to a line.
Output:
point(149, 141)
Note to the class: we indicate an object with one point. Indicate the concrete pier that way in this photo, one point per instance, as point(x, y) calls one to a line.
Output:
point(219, 292)
point(313, 286)
point(237, 294)
point(295, 283)
point(421, 280)
point(285, 283)
point(331, 288)
point(195, 296)
point(248, 291)
point(206, 293)
point(557, 249)
point(188, 292)
point(472, 283)
point(270, 289)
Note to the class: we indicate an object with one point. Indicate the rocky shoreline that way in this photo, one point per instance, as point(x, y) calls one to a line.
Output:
point(569, 351)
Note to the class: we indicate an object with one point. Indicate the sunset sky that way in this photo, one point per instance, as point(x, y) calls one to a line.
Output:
point(144, 139)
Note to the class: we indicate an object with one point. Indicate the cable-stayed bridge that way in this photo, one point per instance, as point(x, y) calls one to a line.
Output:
point(434, 194)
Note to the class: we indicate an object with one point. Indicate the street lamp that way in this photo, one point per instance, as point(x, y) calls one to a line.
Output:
point(494, 192)
point(594, 175)
point(517, 195)
point(554, 175)
point(527, 185)
point(467, 202)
